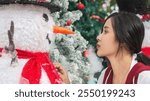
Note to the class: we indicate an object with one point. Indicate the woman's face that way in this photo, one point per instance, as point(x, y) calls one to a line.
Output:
point(107, 44)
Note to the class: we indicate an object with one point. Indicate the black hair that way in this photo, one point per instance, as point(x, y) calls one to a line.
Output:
point(134, 6)
point(129, 30)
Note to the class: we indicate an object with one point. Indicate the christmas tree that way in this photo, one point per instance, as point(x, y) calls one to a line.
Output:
point(72, 50)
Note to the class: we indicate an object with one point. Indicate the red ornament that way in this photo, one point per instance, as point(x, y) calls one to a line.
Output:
point(86, 53)
point(80, 6)
point(95, 17)
point(145, 17)
point(69, 22)
point(98, 18)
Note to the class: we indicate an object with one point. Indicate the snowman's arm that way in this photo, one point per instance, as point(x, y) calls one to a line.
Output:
point(11, 46)
point(10, 36)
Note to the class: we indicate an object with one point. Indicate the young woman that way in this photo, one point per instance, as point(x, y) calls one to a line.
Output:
point(120, 43)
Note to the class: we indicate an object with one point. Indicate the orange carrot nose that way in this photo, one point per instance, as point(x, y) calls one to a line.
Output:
point(62, 30)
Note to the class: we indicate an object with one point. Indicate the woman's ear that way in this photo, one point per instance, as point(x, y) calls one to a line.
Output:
point(123, 44)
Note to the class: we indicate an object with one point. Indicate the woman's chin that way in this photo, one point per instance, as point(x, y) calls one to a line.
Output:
point(99, 54)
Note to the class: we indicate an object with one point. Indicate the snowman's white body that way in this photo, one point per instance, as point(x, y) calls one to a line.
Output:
point(30, 31)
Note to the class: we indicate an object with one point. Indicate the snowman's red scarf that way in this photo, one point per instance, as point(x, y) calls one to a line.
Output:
point(33, 68)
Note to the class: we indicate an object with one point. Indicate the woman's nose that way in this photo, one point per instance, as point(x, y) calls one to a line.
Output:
point(98, 37)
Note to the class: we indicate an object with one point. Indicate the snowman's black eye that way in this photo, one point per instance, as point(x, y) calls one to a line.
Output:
point(45, 16)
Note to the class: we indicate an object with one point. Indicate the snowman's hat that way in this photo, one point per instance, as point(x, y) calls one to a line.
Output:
point(134, 6)
point(45, 3)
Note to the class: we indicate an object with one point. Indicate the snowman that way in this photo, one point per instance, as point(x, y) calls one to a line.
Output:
point(26, 32)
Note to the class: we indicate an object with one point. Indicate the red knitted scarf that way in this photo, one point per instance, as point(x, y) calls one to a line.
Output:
point(32, 70)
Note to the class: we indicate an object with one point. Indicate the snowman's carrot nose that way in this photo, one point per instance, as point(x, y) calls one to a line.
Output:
point(62, 30)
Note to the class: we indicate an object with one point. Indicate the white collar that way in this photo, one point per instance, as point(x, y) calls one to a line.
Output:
point(134, 61)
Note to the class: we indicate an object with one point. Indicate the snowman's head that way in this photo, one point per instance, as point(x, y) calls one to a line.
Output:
point(33, 27)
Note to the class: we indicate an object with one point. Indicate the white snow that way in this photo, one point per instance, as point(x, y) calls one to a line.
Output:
point(9, 74)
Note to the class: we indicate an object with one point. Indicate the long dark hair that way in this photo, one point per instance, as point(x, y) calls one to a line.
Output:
point(129, 30)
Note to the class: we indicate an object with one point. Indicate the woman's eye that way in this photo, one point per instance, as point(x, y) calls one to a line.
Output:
point(105, 31)
point(45, 16)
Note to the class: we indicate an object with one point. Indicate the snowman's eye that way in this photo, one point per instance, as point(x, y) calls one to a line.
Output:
point(45, 16)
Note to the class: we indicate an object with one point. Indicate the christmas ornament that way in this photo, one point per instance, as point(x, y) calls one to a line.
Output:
point(69, 22)
point(80, 6)
point(85, 53)
point(98, 18)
